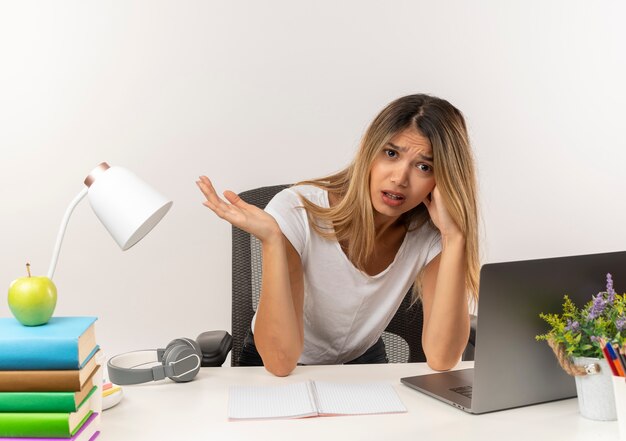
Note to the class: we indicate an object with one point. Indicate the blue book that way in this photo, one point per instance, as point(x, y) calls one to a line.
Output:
point(62, 343)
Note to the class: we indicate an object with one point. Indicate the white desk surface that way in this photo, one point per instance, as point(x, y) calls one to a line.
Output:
point(198, 411)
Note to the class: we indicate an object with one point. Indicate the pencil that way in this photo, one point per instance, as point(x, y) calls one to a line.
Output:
point(609, 360)
point(619, 365)
point(622, 358)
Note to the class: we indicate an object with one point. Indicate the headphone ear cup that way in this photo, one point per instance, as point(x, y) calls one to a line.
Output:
point(194, 345)
point(167, 358)
point(186, 351)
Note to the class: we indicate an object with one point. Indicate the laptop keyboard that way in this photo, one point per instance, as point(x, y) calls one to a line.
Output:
point(466, 391)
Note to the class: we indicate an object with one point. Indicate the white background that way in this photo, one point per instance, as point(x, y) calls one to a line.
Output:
point(254, 93)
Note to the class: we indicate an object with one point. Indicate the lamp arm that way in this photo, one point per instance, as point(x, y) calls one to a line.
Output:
point(64, 222)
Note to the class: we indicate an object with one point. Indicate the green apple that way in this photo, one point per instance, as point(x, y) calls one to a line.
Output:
point(32, 299)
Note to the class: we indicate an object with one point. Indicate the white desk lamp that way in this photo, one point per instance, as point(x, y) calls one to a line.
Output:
point(127, 207)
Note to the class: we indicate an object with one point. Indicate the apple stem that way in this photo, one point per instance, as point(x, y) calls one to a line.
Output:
point(28, 269)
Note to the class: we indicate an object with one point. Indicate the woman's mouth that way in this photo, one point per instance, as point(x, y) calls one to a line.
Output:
point(392, 199)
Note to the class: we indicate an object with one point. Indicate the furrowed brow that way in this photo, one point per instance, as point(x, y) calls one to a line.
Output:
point(404, 150)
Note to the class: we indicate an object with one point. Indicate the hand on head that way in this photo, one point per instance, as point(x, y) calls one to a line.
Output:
point(237, 212)
point(440, 215)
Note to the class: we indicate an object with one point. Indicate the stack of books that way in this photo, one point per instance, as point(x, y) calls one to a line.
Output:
point(50, 380)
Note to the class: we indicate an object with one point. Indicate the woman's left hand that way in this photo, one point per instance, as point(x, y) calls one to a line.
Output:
point(441, 216)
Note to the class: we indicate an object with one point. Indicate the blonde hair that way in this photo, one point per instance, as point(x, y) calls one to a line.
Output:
point(351, 220)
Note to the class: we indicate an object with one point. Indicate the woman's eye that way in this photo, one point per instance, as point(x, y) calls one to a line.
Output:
point(391, 153)
point(425, 168)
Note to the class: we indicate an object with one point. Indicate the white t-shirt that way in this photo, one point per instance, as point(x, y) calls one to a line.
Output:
point(345, 309)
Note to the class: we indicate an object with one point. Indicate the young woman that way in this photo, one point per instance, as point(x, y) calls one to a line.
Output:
point(340, 252)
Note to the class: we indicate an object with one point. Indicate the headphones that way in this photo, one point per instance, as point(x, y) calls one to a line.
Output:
point(180, 361)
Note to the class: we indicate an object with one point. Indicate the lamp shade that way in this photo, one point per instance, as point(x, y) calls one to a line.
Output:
point(127, 206)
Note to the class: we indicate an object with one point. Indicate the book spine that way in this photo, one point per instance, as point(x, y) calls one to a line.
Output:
point(40, 381)
point(88, 431)
point(53, 425)
point(37, 402)
point(39, 354)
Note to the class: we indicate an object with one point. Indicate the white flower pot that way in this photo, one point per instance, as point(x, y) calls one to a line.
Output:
point(596, 399)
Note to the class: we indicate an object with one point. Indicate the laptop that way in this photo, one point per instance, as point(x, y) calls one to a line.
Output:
point(512, 369)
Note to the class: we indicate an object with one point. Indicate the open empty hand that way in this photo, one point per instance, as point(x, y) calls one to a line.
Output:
point(239, 213)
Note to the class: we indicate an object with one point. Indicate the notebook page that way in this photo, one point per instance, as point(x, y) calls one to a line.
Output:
point(266, 402)
point(357, 399)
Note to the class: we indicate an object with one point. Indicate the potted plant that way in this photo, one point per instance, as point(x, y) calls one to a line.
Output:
point(577, 335)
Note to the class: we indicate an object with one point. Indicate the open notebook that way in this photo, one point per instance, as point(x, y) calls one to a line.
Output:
point(311, 398)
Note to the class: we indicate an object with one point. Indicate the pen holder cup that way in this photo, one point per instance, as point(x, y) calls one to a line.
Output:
point(595, 391)
point(619, 389)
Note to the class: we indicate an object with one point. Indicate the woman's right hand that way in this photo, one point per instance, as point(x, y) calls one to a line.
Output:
point(245, 216)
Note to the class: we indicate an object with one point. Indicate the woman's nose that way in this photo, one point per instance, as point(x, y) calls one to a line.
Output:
point(400, 176)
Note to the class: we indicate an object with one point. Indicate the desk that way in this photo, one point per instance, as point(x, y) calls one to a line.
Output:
point(198, 411)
